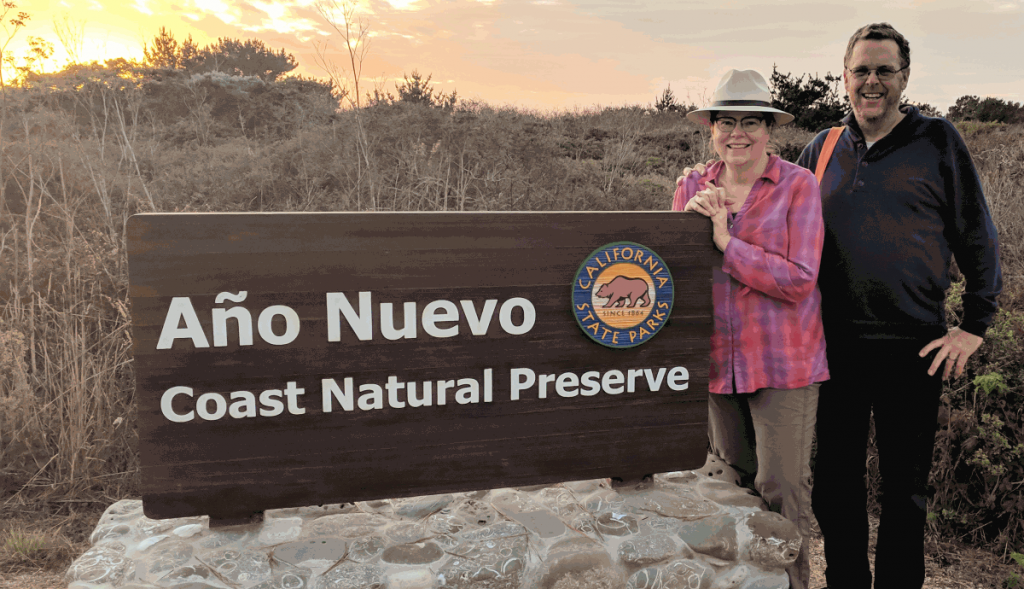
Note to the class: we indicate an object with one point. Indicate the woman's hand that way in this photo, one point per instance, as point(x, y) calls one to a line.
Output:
point(712, 203)
point(720, 227)
point(708, 202)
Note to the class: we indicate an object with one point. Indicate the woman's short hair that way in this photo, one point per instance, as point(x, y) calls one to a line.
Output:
point(880, 32)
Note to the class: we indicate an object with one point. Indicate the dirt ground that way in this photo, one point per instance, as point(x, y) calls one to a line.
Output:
point(948, 564)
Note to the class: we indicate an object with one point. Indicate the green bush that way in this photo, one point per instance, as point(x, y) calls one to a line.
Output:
point(1014, 579)
point(979, 453)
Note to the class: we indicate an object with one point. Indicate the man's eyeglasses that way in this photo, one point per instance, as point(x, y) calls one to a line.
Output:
point(748, 124)
point(883, 73)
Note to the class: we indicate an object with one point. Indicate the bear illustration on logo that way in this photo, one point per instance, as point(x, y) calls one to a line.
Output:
point(622, 289)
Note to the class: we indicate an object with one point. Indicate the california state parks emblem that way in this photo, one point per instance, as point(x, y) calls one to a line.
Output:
point(622, 294)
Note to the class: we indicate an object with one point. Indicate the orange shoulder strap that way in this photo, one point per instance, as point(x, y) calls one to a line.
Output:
point(826, 151)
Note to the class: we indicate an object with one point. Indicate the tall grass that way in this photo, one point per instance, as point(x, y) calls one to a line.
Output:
point(75, 167)
point(998, 150)
point(66, 408)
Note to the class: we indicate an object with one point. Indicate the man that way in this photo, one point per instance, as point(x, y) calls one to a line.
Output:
point(900, 198)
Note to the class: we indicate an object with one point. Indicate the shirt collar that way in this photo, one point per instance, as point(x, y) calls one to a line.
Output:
point(771, 171)
point(911, 112)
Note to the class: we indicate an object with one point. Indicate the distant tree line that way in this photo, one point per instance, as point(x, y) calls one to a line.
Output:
point(667, 103)
point(414, 89)
point(250, 57)
point(986, 110)
point(818, 104)
point(815, 102)
point(231, 88)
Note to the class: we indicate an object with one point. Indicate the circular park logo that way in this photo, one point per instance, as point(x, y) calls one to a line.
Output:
point(622, 294)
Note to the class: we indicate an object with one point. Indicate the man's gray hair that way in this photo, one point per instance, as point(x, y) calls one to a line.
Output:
point(880, 31)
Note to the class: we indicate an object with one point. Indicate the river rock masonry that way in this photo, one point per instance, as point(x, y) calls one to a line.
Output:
point(679, 530)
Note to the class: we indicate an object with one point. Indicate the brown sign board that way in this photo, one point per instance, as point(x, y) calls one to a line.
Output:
point(288, 359)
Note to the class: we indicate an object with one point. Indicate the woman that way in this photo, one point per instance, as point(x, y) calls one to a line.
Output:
point(768, 348)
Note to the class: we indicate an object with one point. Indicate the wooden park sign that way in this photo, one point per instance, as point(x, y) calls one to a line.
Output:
point(287, 359)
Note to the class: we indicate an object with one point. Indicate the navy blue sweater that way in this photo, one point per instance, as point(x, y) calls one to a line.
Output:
point(895, 215)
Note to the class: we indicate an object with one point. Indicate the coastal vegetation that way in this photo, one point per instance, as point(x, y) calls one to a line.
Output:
point(83, 149)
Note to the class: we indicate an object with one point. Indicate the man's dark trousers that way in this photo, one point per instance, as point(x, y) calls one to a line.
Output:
point(886, 377)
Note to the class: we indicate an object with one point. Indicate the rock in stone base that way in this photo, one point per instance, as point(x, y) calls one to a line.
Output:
point(682, 529)
point(678, 574)
point(648, 549)
point(103, 564)
point(572, 555)
point(350, 575)
point(714, 536)
point(494, 556)
point(718, 469)
point(775, 542)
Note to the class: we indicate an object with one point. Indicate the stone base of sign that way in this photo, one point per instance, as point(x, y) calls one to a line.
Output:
point(675, 530)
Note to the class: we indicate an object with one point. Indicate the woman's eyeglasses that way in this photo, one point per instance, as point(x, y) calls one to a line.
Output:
point(748, 124)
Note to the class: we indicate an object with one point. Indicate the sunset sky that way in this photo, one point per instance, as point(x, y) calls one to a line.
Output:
point(561, 54)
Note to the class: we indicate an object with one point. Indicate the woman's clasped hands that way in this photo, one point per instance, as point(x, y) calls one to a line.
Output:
point(713, 203)
point(709, 202)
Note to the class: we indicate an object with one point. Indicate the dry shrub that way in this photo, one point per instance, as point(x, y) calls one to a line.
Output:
point(230, 176)
point(979, 456)
point(999, 155)
point(67, 427)
point(32, 542)
point(414, 157)
point(788, 141)
point(18, 406)
point(26, 549)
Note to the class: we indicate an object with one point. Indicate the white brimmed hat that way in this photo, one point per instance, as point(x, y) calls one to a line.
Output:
point(740, 90)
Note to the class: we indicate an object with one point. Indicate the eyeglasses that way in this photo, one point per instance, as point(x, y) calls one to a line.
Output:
point(748, 124)
point(884, 74)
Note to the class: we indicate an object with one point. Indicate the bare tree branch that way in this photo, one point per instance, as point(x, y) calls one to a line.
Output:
point(71, 34)
point(355, 32)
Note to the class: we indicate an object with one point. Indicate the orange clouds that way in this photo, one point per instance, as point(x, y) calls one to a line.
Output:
point(556, 53)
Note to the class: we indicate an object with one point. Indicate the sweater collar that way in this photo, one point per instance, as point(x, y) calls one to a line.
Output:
point(912, 114)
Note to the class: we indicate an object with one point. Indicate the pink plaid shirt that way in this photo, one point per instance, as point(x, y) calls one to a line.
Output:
point(768, 331)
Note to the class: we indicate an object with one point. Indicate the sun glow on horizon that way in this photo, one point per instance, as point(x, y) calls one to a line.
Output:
point(547, 53)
